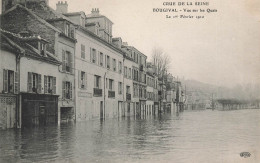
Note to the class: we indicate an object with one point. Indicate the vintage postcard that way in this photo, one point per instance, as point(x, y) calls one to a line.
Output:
point(130, 81)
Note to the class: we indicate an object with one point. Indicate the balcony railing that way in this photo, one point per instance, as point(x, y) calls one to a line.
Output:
point(111, 94)
point(97, 92)
point(128, 96)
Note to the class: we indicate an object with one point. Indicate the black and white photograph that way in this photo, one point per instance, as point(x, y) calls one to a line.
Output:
point(142, 81)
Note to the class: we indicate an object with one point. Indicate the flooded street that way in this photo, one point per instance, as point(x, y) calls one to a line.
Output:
point(192, 136)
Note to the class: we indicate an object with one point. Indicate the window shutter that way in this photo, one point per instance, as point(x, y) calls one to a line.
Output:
point(72, 32)
point(63, 60)
point(95, 81)
point(105, 61)
point(83, 51)
point(16, 86)
point(29, 82)
point(90, 54)
point(85, 81)
point(54, 85)
point(63, 89)
point(39, 90)
point(79, 78)
point(45, 84)
point(71, 62)
point(118, 88)
point(98, 58)
point(70, 90)
point(5, 81)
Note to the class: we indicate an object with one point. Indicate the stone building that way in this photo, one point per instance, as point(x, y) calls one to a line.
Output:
point(9, 86)
point(37, 99)
point(99, 65)
point(150, 93)
point(58, 31)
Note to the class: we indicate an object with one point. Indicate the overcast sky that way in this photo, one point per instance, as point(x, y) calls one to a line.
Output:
point(221, 49)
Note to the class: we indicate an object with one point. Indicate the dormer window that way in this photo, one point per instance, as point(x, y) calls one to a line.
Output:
point(67, 29)
point(42, 48)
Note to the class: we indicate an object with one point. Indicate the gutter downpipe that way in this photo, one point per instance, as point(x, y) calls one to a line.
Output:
point(123, 85)
point(104, 95)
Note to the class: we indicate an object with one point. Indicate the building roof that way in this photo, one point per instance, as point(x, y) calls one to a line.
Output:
point(133, 48)
point(16, 43)
point(44, 11)
point(94, 36)
point(74, 13)
point(33, 14)
point(92, 24)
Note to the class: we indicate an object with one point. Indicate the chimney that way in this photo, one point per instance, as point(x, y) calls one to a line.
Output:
point(117, 42)
point(125, 43)
point(95, 11)
point(62, 7)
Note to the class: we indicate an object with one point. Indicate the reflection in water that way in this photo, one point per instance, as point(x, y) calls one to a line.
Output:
point(202, 136)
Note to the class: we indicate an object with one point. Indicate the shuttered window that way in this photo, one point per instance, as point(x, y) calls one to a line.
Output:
point(67, 61)
point(34, 83)
point(97, 81)
point(83, 51)
point(49, 84)
point(120, 67)
point(119, 87)
point(66, 90)
point(82, 78)
point(16, 83)
point(10, 81)
point(101, 59)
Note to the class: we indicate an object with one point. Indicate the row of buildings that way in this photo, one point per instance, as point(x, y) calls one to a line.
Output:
point(59, 66)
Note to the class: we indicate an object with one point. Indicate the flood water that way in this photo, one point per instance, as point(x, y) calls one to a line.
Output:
point(191, 136)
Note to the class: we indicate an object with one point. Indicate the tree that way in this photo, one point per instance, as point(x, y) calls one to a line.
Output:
point(161, 61)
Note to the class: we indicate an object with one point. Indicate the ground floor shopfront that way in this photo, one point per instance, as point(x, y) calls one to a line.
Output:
point(38, 109)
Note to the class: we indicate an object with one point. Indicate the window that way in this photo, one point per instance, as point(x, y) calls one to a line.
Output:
point(93, 56)
point(114, 64)
point(128, 89)
point(97, 81)
point(135, 89)
point(83, 55)
point(42, 48)
point(67, 90)
point(129, 73)
point(10, 81)
point(111, 85)
point(34, 82)
point(82, 79)
point(125, 71)
point(108, 62)
point(120, 88)
point(120, 67)
point(101, 59)
point(66, 61)
point(49, 84)
point(67, 29)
